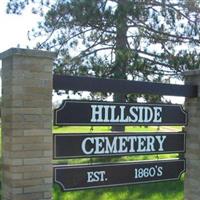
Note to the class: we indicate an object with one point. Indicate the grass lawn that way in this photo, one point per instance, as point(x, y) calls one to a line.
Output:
point(169, 190)
point(94, 129)
point(153, 191)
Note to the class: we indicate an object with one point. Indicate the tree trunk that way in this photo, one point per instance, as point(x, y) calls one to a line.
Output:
point(121, 51)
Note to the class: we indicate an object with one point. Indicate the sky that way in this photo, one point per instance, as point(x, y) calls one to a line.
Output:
point(14, 29)
point(13, 33)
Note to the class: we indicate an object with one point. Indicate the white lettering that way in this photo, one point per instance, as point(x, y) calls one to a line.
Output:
point(133, 114)
point(84, 144)
point(157, 113)
point(119, 114)
point(150, 144)
point(141, 145)
point(140, 114)
point(148, 114)
point(132, 143)
point(122, 145)
point(113, 118)
point(106, 109)
point(111, 147)
point(99, 145)
point(96, 113)
point(161, 139)
point(97, 176)
point(122, 116)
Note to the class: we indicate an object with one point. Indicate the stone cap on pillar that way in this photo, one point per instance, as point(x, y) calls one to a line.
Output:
point(27, 52)
point(192, 77)
point(195, 72)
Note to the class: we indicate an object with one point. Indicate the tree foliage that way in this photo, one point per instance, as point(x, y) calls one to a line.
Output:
point(151, 40)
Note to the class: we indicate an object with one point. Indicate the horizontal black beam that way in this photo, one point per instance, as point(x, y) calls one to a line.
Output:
point(76, 83)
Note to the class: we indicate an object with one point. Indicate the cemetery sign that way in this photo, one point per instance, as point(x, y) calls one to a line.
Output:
point(108, 113)
point(97, 176)
point(113, 144)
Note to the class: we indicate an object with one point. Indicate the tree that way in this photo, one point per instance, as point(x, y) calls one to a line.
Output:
point(151, 40)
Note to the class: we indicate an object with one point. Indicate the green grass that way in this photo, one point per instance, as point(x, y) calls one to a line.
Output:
point(94, 129)
point(170, 190)
point(88, 129)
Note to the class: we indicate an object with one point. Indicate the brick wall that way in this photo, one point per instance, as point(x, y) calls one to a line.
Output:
point(27, 124)
point(192, 177)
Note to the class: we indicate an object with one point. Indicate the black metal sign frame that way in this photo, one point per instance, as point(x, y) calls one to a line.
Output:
point(109, 113)
point(107, 175)
point(116, 144)
point(98, 176)
point(83, 83)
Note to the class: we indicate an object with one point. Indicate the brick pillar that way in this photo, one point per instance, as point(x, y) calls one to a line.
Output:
point(192, 178)
point(26, 124)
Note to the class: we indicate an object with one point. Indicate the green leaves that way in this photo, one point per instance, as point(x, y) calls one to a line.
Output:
point(147, 40)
